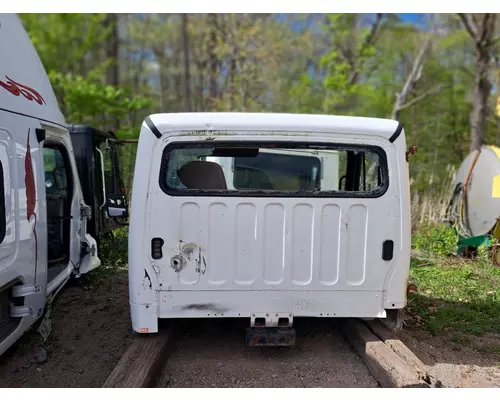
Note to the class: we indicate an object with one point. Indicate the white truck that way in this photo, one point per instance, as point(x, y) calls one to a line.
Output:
point(43, 217)
point(268, 217)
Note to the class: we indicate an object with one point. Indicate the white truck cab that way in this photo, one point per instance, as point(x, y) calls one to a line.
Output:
point(43, 217)
point(268, 217)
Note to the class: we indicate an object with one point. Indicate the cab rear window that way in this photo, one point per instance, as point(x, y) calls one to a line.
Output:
point(264, 169)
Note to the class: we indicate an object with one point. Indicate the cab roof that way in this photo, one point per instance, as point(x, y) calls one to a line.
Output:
point(173, 123)
point(24, 85)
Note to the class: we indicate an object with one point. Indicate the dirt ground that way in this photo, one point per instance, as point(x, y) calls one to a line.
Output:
point(91, 330)
point(457, 365)
point(213, 354)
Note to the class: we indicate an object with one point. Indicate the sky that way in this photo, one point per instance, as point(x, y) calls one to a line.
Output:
point(410, 17)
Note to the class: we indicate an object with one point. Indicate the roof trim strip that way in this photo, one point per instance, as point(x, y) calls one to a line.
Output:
point(396, 133)
point(152, 127)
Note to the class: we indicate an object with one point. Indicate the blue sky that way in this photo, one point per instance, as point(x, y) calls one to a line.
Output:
point(410, 17)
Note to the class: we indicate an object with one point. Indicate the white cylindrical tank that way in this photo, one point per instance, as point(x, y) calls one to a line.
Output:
point(477, 206)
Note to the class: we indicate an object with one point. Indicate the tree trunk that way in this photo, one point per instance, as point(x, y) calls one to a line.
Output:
point(212, 60)
point(113, 54)
point(481, 28)
point(185, 49)
point(160, 58)
point(481, 91)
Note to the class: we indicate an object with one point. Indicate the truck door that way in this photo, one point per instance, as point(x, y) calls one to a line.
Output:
point(67, 215)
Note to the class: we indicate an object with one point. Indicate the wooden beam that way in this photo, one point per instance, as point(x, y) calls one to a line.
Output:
point(385, 365)
point(142, 362)
point(390, 338)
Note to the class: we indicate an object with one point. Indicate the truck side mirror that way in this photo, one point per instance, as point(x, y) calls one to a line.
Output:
point(116, 205)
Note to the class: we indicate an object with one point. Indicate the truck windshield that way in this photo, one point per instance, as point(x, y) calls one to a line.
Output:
point(273, 169)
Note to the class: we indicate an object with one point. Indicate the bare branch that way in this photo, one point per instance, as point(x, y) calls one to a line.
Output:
point(369, 40)
point(345, 54)
point(485, 25)
point(470, 26)
point(491, 29)
point(423, 96)
point(375, 29)
point(413, 76)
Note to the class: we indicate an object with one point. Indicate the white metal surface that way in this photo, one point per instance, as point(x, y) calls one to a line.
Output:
point(27, 103)
point(271, 123)
point(24, 85)
point(234, 256)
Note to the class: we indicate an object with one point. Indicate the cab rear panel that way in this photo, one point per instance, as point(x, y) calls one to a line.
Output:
point(301, 248)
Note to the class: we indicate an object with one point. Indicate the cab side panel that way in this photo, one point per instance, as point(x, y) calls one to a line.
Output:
point(23, 250)
point(396, 284)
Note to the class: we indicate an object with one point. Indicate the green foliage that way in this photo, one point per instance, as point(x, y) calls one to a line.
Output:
point(88, 100)
point(113, 251)
point(484, 251)
point(113, 254)
point(72, 52)
point(68, 42)
point(435, 240)
point(304, 95)
point(305, 63)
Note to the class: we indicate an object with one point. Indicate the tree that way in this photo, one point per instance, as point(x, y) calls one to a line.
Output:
point(185, 51)
point(113, 54)
point(481, 28)
point(353, 43)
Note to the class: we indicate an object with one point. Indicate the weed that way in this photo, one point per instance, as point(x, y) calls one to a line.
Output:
point(435, 239)
point(113, 254)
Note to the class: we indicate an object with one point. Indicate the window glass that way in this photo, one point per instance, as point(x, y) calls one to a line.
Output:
point(56, 174)
point(275, 170)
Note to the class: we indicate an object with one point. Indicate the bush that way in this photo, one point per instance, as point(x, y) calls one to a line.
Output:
point(113, 252)
point(435, 239)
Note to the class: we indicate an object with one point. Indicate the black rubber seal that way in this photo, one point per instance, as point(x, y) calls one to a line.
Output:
point(396, 133)
point(40, 134)
point(152, 127)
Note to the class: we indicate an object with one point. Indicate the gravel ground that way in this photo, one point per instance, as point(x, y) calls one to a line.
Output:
point(91, 330)
point(212, 353)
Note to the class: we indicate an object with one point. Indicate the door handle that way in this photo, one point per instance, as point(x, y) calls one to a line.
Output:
point(387, 250)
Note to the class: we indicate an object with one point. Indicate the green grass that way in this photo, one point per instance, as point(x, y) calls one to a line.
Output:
point(454, 296)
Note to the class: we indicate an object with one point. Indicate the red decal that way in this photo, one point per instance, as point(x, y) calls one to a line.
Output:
point(17, 89)
point(29, 181)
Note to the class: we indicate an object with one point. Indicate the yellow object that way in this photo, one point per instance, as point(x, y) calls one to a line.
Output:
point(495, 190)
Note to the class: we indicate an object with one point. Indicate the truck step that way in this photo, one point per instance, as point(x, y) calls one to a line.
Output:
point(20, 311)
point(25, 290)
point(277, 337)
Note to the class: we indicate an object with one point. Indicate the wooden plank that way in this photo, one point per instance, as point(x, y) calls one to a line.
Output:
point(386, 367)
point(142, 362)
point(390, 338)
